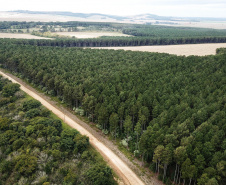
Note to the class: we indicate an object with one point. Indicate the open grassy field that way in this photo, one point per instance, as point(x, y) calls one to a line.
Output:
point(20, 36)
point(91, 34)
point(187, 50)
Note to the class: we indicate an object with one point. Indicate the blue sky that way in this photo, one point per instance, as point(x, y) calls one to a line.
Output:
point(185, 8)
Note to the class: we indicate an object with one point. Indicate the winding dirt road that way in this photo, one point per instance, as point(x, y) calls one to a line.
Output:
point(120, 167)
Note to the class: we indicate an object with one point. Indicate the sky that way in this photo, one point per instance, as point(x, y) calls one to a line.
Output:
point(180, 8)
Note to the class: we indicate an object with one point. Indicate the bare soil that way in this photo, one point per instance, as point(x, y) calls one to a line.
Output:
point(127, 171)
point(20, 36)
point(91, 34)
point(186, 50)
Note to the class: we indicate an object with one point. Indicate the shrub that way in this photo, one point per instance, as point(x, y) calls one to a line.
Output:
point(124, 143)
point(10, 89)
point(99, 126)
point(44, 112)
point(136, 153)
point(31, 104)
point(17, 144)
point(160, 177)
point(26, 164)
point(4, 101)
point(105, 131)
point(152, 167)
point(32, 113)
point(99, 175)
point(4, 124)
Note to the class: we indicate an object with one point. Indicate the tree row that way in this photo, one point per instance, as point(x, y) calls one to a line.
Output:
point(167, 110)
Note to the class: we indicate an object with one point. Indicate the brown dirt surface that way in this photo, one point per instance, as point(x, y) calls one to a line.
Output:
point(127, 171)
point(186, 50)
point(20, 36)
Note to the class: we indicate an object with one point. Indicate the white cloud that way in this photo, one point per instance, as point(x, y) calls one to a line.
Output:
point(198, 8)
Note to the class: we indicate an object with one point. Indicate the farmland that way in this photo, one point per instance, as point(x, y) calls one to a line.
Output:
point(92, 34)
point(113, 34)
point(20, 36)
point(186, 50)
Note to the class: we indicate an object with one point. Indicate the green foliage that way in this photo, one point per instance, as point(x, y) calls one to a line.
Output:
point(160, 177)
point(79, 111)
point(36, 150)
point(124, 143)
point(81, 142)
point(31, 104)
point(4, 101)
point(99, 175)
point(171, 32)
point(221, 50)
point(1, 85)
point(212, 181)
point(128, 126)
point(10, 89)
point(18, 144)
point(140, 34)
point(167, 102)
point(71, 178)
point(203, 179)
point(113, 121)
point(32, 113)
point(6, 166)
point(44, 112)
point(4, 124)
point(26, 164)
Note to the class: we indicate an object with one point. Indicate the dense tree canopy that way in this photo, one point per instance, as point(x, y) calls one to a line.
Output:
point(169, 110)
point(37, 150)
point(140, 35)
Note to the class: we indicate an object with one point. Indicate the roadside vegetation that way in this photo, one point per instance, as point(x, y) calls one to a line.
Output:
point(169, 111)
point(36, 149)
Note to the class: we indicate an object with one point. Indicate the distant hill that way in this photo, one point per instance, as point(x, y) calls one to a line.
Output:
point(120, 18)
point(71, 14)
point(62, 16)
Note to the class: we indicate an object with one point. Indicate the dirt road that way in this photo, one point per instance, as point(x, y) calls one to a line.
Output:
point(120, 167)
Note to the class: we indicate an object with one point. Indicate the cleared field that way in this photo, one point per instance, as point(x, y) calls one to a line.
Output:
point(187, 50)
point(91, 34)
point(20, 36)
